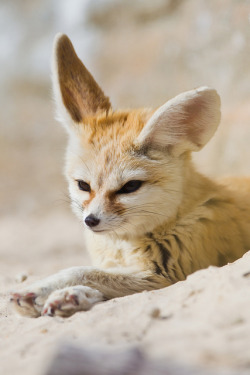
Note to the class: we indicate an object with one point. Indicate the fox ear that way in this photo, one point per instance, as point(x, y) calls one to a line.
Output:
point(76, 92)
point(184, 123)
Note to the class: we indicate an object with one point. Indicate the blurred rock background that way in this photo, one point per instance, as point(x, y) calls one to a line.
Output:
point(142, 52)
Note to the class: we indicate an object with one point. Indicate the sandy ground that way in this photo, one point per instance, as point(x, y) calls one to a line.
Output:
point(203, 321)
point(141, 55)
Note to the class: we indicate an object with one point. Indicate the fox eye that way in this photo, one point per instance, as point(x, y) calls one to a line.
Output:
point(83, 185)
point(130, 187)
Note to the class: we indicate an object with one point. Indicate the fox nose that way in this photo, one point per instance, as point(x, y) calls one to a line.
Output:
point(92, 221)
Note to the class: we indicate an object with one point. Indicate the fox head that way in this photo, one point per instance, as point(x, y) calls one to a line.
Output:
point(125, 169)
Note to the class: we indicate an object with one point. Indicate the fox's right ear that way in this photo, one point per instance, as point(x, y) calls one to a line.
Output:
point(76, 92)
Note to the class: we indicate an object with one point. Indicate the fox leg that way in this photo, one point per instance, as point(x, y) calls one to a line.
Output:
point(78, 288)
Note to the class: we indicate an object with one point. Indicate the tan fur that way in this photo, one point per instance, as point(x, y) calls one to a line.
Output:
point(78, 90)
point(178, 221)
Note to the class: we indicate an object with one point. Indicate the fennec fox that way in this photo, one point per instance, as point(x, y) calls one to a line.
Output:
point(150, 218)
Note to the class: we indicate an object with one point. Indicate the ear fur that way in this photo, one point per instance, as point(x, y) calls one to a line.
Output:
point(184, 123)
point(76, 92)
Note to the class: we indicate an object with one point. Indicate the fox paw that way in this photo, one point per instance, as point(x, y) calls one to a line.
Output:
point(27, 303)
point(67, 301)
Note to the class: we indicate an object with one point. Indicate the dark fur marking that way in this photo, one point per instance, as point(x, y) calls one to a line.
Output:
point(211, 201)
point(148, 248)
point(140, 151)
point(204, 220)
point(150, 235)
point(167, 242)
point(178, 241)
point(165, 255)
point(157, 268)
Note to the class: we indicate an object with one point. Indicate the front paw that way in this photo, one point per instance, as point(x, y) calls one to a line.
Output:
point(30, 301)
point(67, 301)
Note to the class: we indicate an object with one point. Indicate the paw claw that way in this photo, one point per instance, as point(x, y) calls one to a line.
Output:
point(15, 298)
point(50, 310)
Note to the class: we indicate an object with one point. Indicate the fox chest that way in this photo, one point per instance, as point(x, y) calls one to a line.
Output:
point(106, 253)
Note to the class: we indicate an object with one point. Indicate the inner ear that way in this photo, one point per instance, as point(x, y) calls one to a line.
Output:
point(74, 86)
point(184, 123)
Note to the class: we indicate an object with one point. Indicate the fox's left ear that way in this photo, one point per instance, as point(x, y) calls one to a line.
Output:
point(76, 92)
point(184, 123)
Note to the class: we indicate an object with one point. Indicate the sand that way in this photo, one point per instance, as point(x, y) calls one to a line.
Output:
point(201, 322)
point(143, 58)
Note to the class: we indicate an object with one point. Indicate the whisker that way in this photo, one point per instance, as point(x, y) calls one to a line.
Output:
point(132, 211)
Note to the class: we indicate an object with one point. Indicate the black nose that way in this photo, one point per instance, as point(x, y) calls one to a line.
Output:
point(92, 221)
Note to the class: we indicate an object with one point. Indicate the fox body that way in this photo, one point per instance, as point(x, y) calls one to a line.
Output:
point(150, 218)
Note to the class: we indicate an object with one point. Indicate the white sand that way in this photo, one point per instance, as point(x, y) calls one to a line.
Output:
point(203, 321)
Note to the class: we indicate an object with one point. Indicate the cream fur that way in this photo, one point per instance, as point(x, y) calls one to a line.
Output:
point(177, 114)
point(177, 222)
